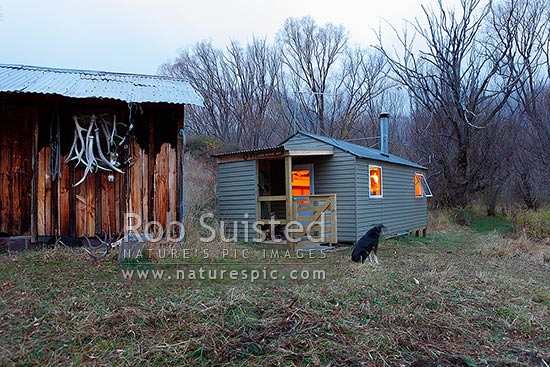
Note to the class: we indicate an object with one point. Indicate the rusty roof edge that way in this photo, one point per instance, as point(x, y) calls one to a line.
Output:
point(256, 150)
point(73, 83)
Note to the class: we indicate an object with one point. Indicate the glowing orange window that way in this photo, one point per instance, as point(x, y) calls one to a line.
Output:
point(418, 184)
point(375, 182)
point(301, 183)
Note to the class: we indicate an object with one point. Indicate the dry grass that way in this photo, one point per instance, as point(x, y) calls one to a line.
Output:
point(440, 221)
point(457, 298)
point(536, 224)
point(519, 247)
point(200, 185)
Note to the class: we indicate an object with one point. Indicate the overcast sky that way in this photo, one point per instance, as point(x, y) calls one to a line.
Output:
point(136, 36)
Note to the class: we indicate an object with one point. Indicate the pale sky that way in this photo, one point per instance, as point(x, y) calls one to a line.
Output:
point(136, 36)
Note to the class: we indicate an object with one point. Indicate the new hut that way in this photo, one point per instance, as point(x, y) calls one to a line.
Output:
point(79, 149)
point(309, 178)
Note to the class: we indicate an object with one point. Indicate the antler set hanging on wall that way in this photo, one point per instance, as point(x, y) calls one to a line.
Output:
point(96, 144)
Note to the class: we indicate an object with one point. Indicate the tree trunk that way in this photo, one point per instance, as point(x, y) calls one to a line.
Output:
point(492, 198)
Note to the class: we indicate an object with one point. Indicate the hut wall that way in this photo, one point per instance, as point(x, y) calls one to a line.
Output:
point(16, 140)
point(237, 197)
point(348, 177)
point(398, 209)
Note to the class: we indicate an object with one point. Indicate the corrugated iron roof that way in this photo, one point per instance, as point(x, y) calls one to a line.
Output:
point(359, 150)
point(96, 84)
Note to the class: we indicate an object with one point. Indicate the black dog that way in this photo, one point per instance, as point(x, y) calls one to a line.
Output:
point(367, 244)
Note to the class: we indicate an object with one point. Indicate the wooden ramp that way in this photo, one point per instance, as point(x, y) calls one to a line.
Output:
point(296, 246)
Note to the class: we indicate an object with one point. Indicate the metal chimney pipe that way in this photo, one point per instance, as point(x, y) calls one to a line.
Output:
point(384, 121)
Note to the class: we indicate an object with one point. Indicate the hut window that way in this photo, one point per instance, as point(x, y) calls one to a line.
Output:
point(375, 181)
point(421, 188)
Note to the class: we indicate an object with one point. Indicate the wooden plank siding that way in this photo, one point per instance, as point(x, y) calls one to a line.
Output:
point(237, 196)
point(165, 185)
point(16, 142)
point(96, 204)
point(139, 203)
point(347, 176)
point(111, 218)
point(398, 209)
point(63, 205)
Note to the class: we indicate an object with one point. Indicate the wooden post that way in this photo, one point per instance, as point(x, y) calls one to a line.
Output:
point(98, 203)
point(72, 201)
point(125, 183)
point(124, 196)
point(54, 193)
point(258, 203)
point(288, 193)
point(34, 180)
point(288, 188)
point(180, 161)
point(334, 220)
point(54, 212)
point(294, 216)
point(151, 167)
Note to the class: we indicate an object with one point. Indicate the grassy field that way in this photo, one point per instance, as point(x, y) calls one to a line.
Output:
point(460, 297)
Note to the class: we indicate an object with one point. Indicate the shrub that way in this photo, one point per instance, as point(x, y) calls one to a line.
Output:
point(203, 145)
point(200, 186)
point(440, 220)
point(536, 224)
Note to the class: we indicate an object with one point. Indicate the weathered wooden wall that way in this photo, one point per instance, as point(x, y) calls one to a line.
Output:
point(90, 218)
point(16, 132)
point(149, 187)
point(108, 195)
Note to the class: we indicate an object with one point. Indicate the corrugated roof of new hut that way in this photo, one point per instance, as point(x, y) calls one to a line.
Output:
point(358, 150)
point(135, 88)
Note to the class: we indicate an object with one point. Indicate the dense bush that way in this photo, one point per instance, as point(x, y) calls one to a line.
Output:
point(535, 224)
point(200, 186)
point(203, 145)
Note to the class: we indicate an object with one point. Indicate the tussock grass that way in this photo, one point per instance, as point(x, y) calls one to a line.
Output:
point(456, 298)
point(440, 221)
point(536, 224)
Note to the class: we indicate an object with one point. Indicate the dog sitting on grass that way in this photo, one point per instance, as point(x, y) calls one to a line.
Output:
point(367, 246)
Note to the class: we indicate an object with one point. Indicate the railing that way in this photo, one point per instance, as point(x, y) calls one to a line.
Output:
point(271, 199)
point(317, 214)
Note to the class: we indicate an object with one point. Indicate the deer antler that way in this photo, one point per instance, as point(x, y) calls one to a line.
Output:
point(75, 153)
point(94, 146)
point(110, 163)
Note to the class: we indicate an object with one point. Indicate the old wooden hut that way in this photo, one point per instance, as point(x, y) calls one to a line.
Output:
point(311, 177)
point(126, 129)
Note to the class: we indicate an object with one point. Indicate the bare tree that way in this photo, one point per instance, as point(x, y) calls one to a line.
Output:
point(311, 52)
point(201, 67)
point(237, 86)
point(253, 74)
point(362, 92)
point(331, 86)
point(458, 82)
point(529, 105)
point(532, 94)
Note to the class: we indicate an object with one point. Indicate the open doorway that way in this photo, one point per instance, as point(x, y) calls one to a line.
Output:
point(271, 185)
point(302, 181)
